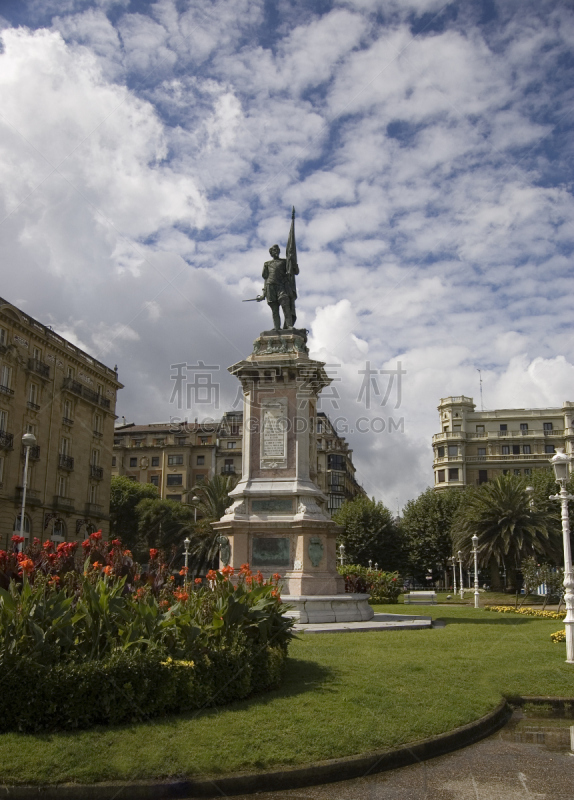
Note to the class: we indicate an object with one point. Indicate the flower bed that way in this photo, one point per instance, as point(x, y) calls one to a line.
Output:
point(527, 612)
point(111, 643)
point(383, 587)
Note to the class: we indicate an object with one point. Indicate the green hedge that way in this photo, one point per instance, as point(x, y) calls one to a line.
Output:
point(131, 686)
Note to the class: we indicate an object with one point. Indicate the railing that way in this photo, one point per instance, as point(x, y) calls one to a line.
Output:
point(94, 510)
point(446, 459)
point(6, 390)
point(228, 470)
point(461, 398)
point(32, 495)
point(34, 452)
point(96, 472)
point(39, 367)
point(67, 421)
point(516, 457)
point(88, 394)
point(33, 406)
point(449, 435)
point(65, 462)
point(99, 434)
point(64, 503)
point(6, 440)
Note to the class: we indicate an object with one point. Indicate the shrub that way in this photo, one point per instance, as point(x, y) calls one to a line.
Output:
point(383, 587)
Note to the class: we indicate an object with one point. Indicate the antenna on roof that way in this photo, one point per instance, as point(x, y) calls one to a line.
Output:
point(480, 377)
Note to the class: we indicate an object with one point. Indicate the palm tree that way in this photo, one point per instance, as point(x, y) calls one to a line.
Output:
point(509, 529)
point(212, 500)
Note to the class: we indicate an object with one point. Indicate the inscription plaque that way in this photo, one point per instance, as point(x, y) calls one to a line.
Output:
point(275, 504)
point(270, 551)
point(274, 433)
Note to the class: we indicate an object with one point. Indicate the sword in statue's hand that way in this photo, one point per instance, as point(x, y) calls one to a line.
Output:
point(257, 299)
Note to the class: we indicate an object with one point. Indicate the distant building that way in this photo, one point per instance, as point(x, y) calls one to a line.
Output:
point(476, 446)
point(177, 456)
point(51, 388)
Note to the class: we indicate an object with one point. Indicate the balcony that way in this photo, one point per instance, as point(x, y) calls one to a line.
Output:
point(39, 367)
point(6, 440)
point(82, 391)
point(33, 406)
point(65, 462)
point(96, 472)
point(506, 458)
point(440, 437)
point(67, 421)
point(32, 496)
point(34, 452)
point(63, 503)
point(94, 510)
point(6, 390)
point(98, 434)
point(228, 470)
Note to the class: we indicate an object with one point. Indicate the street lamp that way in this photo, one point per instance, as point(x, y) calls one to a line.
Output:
point(342, 553)
point(474, 541)
point(453, 559)
point(370, 564)
point(28, 440)
point(460, 567)
point(186, 542)
point(195, 499)
point(560, 462)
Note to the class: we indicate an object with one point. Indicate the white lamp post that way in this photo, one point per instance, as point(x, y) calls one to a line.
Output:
point(460, 568)
point(560, 462)
point(342, 553)
point(186, 542)
point(453, 559)
point(370, 564)
point(28, 440)
point(195, 499)
point(475, 554)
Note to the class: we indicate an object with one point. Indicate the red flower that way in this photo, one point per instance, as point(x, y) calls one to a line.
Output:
point(116, 543)
point(127, 553)
point(108, 570)
point(48, 545)
point(276, 576)
point(17, 539)
point(181, 596)
point(86, 544)
point(198, 581)
point(96, 535)
point(52, 557)
point(184, 571)
point(153, 553)
point(27, 565)
point(211, 575)
point(227, 571)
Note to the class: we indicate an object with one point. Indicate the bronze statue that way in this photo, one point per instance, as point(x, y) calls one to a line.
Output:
point(279, 288)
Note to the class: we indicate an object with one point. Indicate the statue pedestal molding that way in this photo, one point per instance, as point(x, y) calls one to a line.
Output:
point(278, 521)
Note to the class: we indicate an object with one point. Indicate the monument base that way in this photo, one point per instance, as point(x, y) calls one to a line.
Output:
point(329, 608)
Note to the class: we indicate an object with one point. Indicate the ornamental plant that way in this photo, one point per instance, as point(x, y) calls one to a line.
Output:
point(383, 587)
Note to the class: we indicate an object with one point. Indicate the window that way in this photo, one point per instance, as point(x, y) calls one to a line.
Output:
point(37, 354)
point(68, 409)
point(98, 423)
point(482, 451)
point(62, 485)
point(452, 450)
point(3, 336)
point(524, 427)
point(175, 497)
point(205, 439)
point(33, 394)
point(319, 426)
point(1, 467)
point(155, 461)
point(5, 376)
point(445, 428)
point(200, 460)
point(228, 465)
point(113, 461)
point(181, 439)
point(160, 442)
point(517, 472)
point(118, 440)
point(549, 448)
point(453, 474)
point(526, 449)
point(335, 502)
point(175, 480)
point(173, 460)
point(58, 531)
point(504, 427)
point(547, 427)
point(336, 462)
point(94, 493)
point(133, 462)
point(505, 472)
point(480, 428)
point(100, 389)
point(3, 420)
point(440, 452)
point(26, 526)
point(515, 449)
point(199, 479)
point(440, 476)
point(231, 445)
point(505, 450)
point(65, 446)
point(482, 476)
point(456, 428)
point(528, 471)
point(154, 480)
point(95, 458)
point(70, 372)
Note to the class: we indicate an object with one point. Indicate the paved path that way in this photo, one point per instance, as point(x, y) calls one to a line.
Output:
point(498, 768)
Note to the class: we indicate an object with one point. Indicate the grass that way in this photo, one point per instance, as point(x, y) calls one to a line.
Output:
point(343, 694)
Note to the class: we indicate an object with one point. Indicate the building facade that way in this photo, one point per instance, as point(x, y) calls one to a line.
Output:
point(51, 388)
point(177, 457)
point(477, 446)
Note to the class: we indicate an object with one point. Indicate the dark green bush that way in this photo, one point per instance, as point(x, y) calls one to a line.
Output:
point(383, 587)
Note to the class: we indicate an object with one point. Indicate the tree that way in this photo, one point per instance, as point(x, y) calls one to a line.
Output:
point(213, 499)
point(125, 496)
point(508, 526)
point(369, 533)
point(162, 524)
point(426, 530)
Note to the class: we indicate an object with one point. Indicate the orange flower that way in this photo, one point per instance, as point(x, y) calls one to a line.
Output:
point(227, 571)
point(96, 535)
point(274, 593)
point(259, 577)
point(211, 575)
point(181, 596)
point(27, 565)
point(108, 570)
point(198, 581)
point(153, 553)
point(184, 571)
point(96, 565)
point(48, 545)
point(276, 576)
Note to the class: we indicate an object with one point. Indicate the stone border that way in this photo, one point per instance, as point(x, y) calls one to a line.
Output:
point(339, 769)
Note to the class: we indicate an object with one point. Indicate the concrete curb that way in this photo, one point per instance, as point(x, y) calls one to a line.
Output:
point(339, 769)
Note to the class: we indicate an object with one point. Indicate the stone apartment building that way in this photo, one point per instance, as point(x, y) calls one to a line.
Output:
point(176, 457)
point(476, 446)
point(51, 388)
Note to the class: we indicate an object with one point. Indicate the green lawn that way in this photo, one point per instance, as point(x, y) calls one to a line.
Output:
point(343, 694)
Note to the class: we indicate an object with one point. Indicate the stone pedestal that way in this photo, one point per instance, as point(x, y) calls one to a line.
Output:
point(278, 521)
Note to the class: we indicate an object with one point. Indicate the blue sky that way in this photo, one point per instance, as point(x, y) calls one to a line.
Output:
point(151, 152)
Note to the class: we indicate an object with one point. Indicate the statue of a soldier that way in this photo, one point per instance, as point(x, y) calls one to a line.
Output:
point(280, 288)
